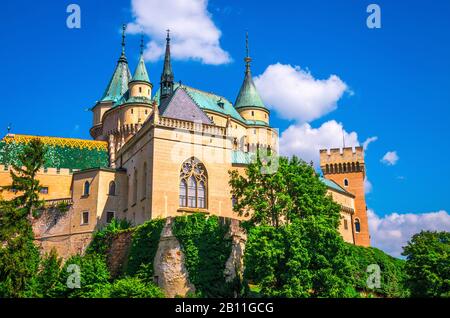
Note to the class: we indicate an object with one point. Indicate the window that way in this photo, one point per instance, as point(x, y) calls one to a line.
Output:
point(110, 216)
point(345, 224)
point(132, 110)
point(233, 201)
point(357, 226)
point(193, 184)
point(135, 187)
point(84, 218)
point(112, 188)
point(345, 182)
point(140, 89)
point(144, 181)
point(86, 190)
point(44, 190)
point(253, 113)
point(146, 111)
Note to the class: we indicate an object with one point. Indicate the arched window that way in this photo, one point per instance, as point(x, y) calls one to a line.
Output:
point(345, 182)
point(357, 167)
point(327, 169)
point(349, 167)
point(357, 226)
point(345, 168)
point(353, 167)
point(193, 184)
point(112, 188)
point(86, 189)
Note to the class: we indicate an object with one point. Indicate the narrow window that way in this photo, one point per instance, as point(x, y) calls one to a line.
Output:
point(140, 89)
point(345, 224)
point(192, 187)
point(201, 195)
point(44, 190)
point(86, 190)
point(144, 181)
point(345, 182)
point(110, 216)
point(253, 113)
point(112, 188)
point(84, 218)
point(357, 226)
point(135, 187)
point(183, 193)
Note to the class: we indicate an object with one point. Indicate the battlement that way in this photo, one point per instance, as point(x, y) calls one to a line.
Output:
point(44, 171)
point(342, 160)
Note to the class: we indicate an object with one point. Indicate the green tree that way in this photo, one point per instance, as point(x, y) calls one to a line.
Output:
point(19, 257)
point(428, 264)
point(294, 248)
point(133, 287)
point(24, 181)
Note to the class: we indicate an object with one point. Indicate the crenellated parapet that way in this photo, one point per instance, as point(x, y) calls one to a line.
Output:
point(342, 160)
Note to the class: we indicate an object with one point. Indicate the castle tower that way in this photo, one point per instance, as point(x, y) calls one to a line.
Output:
point(347, 169)
point(248, 103)
point(117, 86)
point(167, 77)
point(140, 85)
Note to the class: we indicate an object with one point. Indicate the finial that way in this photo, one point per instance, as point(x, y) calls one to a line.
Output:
point(343, 139)
point(9, 128)
point(247, 58)
point(168, 35)
point(124, 28)
point(142, 43)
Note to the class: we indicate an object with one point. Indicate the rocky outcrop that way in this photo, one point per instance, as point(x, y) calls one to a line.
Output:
point(234, 267)
point(169, 268)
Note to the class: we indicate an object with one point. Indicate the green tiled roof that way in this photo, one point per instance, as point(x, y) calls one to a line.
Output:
point(118, 85)
point(61, 152)
point(256, 123)
point(209, 101)
point(333, 185)
point(141, 74)
point(240, 157)
point(248, 95)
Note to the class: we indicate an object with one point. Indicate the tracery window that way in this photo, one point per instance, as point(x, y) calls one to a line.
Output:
point(193, 184)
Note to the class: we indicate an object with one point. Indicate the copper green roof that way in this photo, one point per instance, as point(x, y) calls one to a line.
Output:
point(118, 85)
point(334, 186)
point(209, 101)
point(141, 75)
point(240, 157)
point(66, 153)
point(248, 95)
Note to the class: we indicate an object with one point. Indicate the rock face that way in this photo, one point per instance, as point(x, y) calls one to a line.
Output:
point(118, 252)
point(169, 269)
point(234, 267)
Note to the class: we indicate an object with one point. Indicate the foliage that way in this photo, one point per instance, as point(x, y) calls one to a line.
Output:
point(94, 277)
point(23, 175)
point(133, 287)
point(428, 264)
point(303, 259)
point(206, 248)
point(101, 239)
point(19, 257)
point(392, 278)
point(294, 191)
point(143, 248)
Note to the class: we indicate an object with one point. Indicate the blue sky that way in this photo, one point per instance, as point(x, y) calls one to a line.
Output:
point(397, 78)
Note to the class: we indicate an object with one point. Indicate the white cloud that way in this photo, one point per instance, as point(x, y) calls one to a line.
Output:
point(368, 141)
point(305, 141)
point(391, 232)
point(390, 158)
point(295, 94)
point(367, 186)
point(194, 34)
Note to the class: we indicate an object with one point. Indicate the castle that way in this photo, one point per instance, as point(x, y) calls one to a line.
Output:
point(165, 152)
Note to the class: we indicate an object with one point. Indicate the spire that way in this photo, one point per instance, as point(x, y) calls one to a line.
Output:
point(141, 74)
point(167, 77)
point(118, 85)
point(248, 95)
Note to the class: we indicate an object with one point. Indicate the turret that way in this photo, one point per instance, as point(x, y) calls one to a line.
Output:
point(140, 85)
point(347, 168)
point(117, 87)
point(248, 103)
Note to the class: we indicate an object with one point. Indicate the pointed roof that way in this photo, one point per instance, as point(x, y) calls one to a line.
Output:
point(248, 95)
point(118, 85)
point(167, 73)
point(141, 74)
point(181, 106)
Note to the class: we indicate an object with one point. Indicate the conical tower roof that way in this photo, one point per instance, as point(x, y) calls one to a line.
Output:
point(141, 74)
point(118, 85)
point(248, 95)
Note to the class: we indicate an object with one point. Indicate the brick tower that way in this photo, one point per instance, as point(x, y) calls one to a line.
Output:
point(347, 169)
